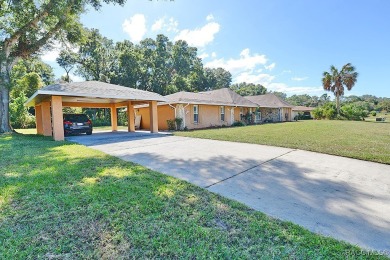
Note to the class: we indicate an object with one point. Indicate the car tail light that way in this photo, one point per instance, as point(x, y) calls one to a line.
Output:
point(89, 122)
point(68, 123)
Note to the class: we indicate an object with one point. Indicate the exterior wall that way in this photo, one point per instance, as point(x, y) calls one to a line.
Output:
point(286, 114)
point(164, 112)
point(270, 114)
point(209, 116)
point(275, 114)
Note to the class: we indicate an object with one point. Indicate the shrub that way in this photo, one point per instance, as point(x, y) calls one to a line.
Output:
point(317, 113)
point(19, 115)
point(178, 122)
point(171, 125)
point(353, 112)
point(373, 113)
point(238, 123)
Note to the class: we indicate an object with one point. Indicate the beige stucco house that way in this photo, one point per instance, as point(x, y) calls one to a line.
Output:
point(221, 107)
point(271, 108)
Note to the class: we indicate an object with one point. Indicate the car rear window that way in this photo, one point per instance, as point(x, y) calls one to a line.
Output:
point(76, 118)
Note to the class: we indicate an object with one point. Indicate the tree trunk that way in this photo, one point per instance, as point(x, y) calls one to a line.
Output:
point(5, 126)
point(4, 109)
point(338, 104)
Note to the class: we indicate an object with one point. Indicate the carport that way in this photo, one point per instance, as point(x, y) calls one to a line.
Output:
point(49, 101)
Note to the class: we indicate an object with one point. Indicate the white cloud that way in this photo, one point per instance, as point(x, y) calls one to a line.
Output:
point(213, 54)
point(135, 27)
point(282, 87)
point(299, 78)
point(210, 17)
point(203, 56)
point(270, 67)
point(263, 79)
point(52, 54)
point(158, 25)
point(165, 24)
point(199, 37)
point(245, 62)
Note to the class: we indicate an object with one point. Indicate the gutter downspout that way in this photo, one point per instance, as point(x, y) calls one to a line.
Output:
point(173, 108)
point(184, 117)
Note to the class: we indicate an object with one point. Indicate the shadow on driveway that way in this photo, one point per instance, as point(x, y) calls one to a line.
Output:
point(344, 198)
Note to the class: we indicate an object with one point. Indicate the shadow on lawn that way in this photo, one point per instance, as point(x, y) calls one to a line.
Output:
point(63, 200)
point(286, 191)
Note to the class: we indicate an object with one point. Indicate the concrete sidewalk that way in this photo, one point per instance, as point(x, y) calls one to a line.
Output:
point(343, 198)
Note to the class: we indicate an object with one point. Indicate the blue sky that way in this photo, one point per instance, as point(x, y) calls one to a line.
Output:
point(282, 44)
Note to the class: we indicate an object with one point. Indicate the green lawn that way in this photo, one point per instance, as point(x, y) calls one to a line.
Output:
point(59, 200)
point(362, 140)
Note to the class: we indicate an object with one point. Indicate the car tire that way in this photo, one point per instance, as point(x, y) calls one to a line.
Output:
point(89, 132)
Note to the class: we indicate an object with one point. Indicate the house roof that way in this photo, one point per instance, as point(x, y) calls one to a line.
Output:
point(92, 91)
point(303, 108)
point(268, 100)
point(220, 97)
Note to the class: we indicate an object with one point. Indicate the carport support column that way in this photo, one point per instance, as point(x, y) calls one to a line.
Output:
point(57, 118)
point(130, 117)
point(114, 118)
point(46, 118)
point(153, 117)
point(38, 119)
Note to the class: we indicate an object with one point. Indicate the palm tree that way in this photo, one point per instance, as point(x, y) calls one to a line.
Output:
point(335, 81)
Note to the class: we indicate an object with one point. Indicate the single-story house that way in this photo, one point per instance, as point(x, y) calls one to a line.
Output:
point(305, 111)
point(200, 110)
point(272, 108)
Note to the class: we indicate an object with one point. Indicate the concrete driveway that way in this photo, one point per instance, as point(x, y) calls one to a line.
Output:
point(339, 197)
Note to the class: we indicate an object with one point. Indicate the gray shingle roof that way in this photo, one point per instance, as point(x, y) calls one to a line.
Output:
point(95, 89)
point(268, 100)
point(220, 97)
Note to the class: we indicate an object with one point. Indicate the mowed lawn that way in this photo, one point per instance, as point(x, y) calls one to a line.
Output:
point(363, 140)
point(59, 200)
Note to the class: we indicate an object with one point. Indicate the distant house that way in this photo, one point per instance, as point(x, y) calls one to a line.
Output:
point(305, 111)
point(200, 110)
point(271, 108)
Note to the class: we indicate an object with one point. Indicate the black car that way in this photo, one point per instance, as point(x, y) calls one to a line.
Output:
point(76, 124)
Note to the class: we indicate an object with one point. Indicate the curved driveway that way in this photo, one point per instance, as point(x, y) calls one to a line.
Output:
point(344, 198)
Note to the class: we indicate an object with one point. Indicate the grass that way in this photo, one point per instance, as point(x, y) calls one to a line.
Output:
point(383, 115)
point(66, 201)
point(361, 140)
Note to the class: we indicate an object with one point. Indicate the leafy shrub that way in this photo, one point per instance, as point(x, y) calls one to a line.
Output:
point(353, 112)
point(19, 115)
point(238, 123)
point(178, 122)
point(318, 113)
point(171, 125)
point(373, 113)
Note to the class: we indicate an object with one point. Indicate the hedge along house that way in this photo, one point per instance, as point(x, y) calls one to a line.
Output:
point(271, 108)
point(200, 110)
point(50, 100)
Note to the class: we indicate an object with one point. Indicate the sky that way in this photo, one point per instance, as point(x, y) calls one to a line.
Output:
point(282, 44)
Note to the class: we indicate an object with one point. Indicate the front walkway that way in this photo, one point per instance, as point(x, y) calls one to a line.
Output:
point(344, 198)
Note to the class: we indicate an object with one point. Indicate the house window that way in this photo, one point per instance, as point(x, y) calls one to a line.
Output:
point(222, 112)
point(196, 114)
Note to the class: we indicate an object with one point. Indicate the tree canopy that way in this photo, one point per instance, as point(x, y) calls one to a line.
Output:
point(28, 27)
point(335, 81)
